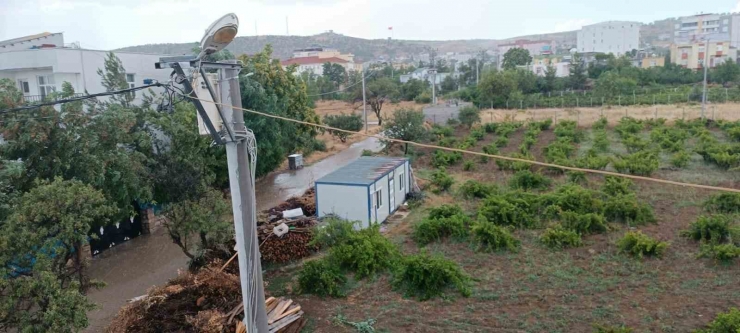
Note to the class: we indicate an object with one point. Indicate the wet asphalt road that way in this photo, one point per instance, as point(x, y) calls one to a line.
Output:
point(131, 268)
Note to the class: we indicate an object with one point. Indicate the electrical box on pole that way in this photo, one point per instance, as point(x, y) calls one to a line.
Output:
point(203, 93)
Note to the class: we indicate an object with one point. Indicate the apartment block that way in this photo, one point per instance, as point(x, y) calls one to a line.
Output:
point(313, 59)
point(711, 27)
point(615, 37)
point(694, 55)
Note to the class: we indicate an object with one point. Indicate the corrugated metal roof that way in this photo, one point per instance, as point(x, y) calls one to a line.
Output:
point(363, 171)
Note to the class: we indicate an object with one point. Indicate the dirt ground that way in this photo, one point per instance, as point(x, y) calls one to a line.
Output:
point(543, 290)
point(587, 116)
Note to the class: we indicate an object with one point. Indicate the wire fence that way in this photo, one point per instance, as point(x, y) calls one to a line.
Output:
point(572, 99)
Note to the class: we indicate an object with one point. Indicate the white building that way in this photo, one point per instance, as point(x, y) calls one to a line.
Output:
point(615, 37)
point(367, 190)
point(423, 74)
point(313, 60)
point(39, 68)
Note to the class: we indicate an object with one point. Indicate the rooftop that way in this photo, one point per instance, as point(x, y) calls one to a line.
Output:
point(363, 171)
point(27, 38)
point(312, 60)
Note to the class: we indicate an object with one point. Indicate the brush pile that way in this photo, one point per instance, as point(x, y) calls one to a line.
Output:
point(209, 301)
point(293, 245)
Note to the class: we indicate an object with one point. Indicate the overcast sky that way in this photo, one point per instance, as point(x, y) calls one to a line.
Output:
point(110, 24)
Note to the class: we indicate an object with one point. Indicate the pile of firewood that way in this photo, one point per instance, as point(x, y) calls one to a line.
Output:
point(283, 316)
point(307, 202)
point(288, 247)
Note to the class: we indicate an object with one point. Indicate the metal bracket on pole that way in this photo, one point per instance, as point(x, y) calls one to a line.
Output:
point(198, 105)
point(218, 107)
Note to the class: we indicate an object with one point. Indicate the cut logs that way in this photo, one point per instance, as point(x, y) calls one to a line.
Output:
point(292, 245)
point(283, 316)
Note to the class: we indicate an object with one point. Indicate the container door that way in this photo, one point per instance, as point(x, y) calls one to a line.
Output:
point(392, 195)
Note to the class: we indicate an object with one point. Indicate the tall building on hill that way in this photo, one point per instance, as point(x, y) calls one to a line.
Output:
point(615, 37)
point(313, 59)
point(712, 27)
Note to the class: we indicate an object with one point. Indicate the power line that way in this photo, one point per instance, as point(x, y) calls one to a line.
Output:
point(82, 98)
point(501, 157)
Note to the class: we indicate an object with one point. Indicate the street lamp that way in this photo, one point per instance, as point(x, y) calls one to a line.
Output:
point(219, 34)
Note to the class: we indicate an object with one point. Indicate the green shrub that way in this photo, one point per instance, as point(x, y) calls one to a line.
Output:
point(490, 127)
point(483, 159)
point(600, 124)
point(558, 150)
point(721, 252)
point(447, 142)
point(725, 159)
point(321, 277)
point(490, 149)
point(626, 208)
point(669, 138)
point(637, 244)
point(501, 141)
point(333, 232)
point(655, 122)
point(444, 211)
point(542, 125)
point(528, 180)
point(443, 131)
point(576, 177)
point(572, 198)
point(569, 129)
point(510, 209)
point(366, 252)
point(527, 144)
point(601, 141)
point(477, 134)
point(642, 163)
point(515, 165)
point(426, 276)
point(727, 322)
point(611, 329)
point(367, 152)
point(441, 180)
point(442, 158)
point(505, 129)
point(474, 189)
point(726, 202)
point(466, 144)
point(680, 159)
point(468, 165)
point(628, 125)
point(592, 161)
point(348, 122)
point(452, 122)
point(424, 98)
point(634, 143)
point(558, 237)
point(583, 223)
point(713, 229)
point(315, 145)
point(431, 229)
point(617, 185)
point(490, 237)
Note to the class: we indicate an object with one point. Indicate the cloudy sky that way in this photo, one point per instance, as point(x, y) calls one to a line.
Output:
point(109, 24)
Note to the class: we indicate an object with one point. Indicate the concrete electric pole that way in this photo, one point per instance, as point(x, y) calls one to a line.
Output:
point(364, 107)
point(706, 69)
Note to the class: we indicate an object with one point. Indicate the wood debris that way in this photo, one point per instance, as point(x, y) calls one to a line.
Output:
point(283, 316)
point(294, 244)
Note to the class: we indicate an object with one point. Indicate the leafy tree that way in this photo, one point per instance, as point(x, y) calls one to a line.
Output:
point(206, 219)
point(612, 84)
point(114, 78)
point(405, 124)
point(726, 72)
point(516, 57)
point(100, 147)
point(577, 76)
point(412, 88)
point(335, 73)
point(279, 92)
point(550, 78)
point(42, 267)
point(447, 85)
point(377, 93)
point(497, 87)
point(469, 115)
point(348, 122)
point(224, 54)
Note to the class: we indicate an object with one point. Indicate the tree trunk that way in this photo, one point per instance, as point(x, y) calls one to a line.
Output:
point(406, 148)
point(82, 260)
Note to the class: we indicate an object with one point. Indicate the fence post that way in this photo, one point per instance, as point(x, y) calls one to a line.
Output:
point(726, 94)
point(592, 102)
point(562, 102)
point(669, 98)
point(625, 112)
point(521, 104)
point(683, 113)
point(619, 100)
point(634, 98)
point(507, 104)
point(577, 104)
point(656, 111)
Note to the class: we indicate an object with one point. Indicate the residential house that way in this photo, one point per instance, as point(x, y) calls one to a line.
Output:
point(423, 74)
point(693, 55)
point(313, 60)
point(40, 64)
point(560, 63)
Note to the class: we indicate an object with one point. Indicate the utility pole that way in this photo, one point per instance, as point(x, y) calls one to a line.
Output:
point(433, 71)
point(477, 75)
point(243, 200)
point(364, 107)
point(706, 66)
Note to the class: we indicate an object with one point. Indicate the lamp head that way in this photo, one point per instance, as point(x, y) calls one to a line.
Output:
point(219, 34)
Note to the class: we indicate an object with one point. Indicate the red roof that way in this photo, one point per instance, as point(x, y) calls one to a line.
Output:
point(312, 60)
